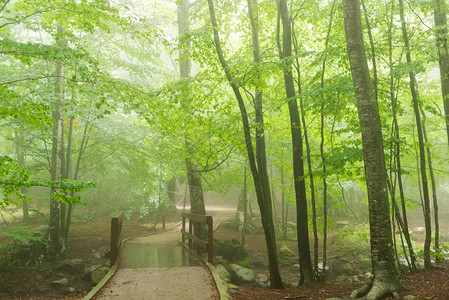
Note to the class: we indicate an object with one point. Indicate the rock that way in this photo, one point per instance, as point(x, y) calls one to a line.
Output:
point(419, 229)
point(343, 278)
point(96, 255)
point(231, 250)
point(41, 231)
point(291, 225)
point(410, 297)
point(262, 280)
point(341, 224)
point(420, 263)
point(284, 251)
point(368, 276)
point(88, 271)
point(74, 266)
point(224, 274)
point(241, 275)
point(62, 281)
point(98, 274)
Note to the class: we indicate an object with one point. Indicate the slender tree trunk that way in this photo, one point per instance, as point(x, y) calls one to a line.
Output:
point(309, 159)
point(322, 140)
point(197, 205)
point(262, 198)
point(433, 184)
point(397, 146)
point(305, 261)
point(55, 245)
point(422, 153)
point(386, 280)
point(20, 154)
point(441, 31)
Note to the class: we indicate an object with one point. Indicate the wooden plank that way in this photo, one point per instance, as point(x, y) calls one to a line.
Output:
point(195, 239)
point(194, 217)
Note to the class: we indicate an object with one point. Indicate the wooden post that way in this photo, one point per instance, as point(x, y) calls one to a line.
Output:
point(190, 231)
point(183, 230)
point(116, 233)
point(210, 238)
point(198, 235)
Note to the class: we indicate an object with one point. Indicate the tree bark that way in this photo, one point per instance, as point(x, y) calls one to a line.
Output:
point(397, 147)
point(441, 31)
point(386, 280)
point(20, 153)
point(262, 199)
point(55, 245)
point(305, 261)
point(422, 153)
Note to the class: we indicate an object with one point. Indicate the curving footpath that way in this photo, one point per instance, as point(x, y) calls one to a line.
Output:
point(157, 267)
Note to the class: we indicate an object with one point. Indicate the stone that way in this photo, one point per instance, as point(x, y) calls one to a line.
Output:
point(231, 250)
point(342, 278)
point(224, 274)
point(96, 255)
point(241, 275)
point(88, 271)
point(368, 275)
point(41, 231)
point(284, 251)
point(74, 266)
point(262, 280)
point(341, 224)
point(98, 274)
point(410, 297)
point(62, 281)
point(420, 263)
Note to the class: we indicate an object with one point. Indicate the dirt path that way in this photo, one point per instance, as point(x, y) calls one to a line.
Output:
point(158, 267)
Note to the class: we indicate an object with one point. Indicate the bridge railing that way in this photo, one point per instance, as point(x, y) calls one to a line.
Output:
point(195, 242)
point(116, 236)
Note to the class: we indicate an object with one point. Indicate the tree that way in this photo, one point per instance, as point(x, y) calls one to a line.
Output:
point(441, 32)
point(262, 198)
point(385, 280)
point(302, 228)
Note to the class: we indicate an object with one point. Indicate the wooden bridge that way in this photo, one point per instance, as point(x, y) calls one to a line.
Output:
point(166, 265)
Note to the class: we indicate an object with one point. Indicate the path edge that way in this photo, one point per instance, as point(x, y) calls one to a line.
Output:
point(221, 286)
point(114, 268)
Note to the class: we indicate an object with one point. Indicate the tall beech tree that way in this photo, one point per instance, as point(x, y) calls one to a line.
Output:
point(385, 280)
point(263, 199)
point(441, 32)
point(302, 227)
point(419, 129)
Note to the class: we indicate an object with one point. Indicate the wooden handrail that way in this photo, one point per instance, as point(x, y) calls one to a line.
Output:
point(116, 236)
point(195, 239)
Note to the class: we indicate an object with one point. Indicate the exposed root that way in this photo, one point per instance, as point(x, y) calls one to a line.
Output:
point(377, 290)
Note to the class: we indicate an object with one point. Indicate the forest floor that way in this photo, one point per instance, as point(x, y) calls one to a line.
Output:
point(21, 281)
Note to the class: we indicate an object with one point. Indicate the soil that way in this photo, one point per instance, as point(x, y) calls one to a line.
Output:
point(35, 282)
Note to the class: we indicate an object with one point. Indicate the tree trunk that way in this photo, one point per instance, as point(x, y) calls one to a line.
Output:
point(441, 31)
point(386, 280)
point(55, 245)
point(433, 184)
point(20, 153)
point(197, 205)
point(422, 153)
point(305, 261)
point(309, 159)
point(397, 147)
point(262, 198)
